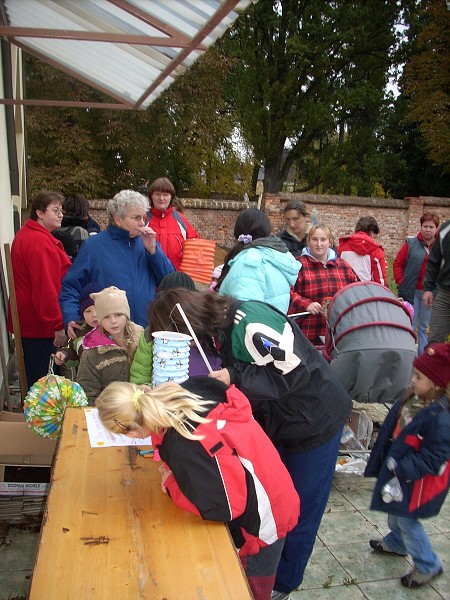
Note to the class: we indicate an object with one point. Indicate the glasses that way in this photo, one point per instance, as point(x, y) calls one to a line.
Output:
point(138, 218)
point(124, 428)
point(57, 211)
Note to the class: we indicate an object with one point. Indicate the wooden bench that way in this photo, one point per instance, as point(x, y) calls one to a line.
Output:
point(109, 532)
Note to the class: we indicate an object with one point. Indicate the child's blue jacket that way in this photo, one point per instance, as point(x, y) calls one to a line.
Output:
point(422, 452)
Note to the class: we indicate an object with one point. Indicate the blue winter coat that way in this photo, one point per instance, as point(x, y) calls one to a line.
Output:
point(422, 452)
point(113, 258)
point(262, 273)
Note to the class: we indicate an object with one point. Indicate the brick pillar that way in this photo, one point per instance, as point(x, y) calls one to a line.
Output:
point(415, 211)
point(271, 205)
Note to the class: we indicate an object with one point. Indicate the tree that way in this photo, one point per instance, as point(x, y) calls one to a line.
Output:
point(185, 135)
point(427, 80)
point(311, 76)
point(407, 170)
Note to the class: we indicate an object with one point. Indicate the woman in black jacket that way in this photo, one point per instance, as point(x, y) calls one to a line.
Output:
point(294, 394)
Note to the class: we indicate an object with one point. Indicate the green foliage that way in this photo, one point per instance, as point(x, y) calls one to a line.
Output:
point(309, 84)
point(185, 135)
point(407, 171)
point(427, 80)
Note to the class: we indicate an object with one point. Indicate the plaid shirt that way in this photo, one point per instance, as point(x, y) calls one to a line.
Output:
point(315, 282)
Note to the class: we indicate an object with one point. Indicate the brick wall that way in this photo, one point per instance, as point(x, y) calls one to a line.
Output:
point(214, 219)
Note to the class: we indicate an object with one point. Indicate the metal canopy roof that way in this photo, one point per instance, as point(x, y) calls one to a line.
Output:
point(131, 50)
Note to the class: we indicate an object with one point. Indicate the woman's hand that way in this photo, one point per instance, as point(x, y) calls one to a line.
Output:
point(165, 473)
point(149, 239)
point(315, 308)
point(60, 338)
point(427, 299)
point(222, 375)
point(72, 327)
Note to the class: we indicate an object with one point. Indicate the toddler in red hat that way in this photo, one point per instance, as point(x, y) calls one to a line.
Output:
point(411, 460)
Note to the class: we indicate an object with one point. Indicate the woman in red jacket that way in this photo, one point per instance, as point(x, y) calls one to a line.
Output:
point(171, 227)
point(39, 264)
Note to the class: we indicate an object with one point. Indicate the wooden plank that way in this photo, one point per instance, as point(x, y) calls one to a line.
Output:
point(109, 532)
point(16, 324)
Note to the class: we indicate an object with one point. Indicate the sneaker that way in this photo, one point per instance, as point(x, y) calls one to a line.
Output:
point(415, 578)
point(275, 595)
point(381, 546)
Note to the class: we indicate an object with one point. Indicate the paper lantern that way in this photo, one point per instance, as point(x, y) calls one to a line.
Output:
point(198, 259)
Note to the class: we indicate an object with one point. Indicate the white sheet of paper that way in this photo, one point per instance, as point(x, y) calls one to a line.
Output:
point(100, 437)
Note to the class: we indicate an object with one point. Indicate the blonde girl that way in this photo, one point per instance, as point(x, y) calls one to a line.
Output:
point(218, 463)
point(108, 350)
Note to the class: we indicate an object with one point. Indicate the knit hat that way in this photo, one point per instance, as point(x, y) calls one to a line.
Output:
point(434, 362)
point(177, 279)
point(111, 300)
point(85, 295)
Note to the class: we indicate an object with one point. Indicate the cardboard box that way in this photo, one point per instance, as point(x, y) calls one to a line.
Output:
point(19, 445)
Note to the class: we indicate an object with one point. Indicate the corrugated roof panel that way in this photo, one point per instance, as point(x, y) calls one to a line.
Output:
point(132, 50)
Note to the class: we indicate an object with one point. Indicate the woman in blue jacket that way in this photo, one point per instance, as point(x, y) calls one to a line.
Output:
point(125, 255)
point(413, 451)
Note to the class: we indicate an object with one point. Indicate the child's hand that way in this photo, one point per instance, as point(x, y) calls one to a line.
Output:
point(391, 463)
point(60, 358)
point(165, 473)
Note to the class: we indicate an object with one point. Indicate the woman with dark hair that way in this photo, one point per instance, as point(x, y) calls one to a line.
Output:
point(363, 253)
point(294, 393)
point(296, 218)
point(39, 264)
point(73, 230)
point(171, 227)
point(259, 266)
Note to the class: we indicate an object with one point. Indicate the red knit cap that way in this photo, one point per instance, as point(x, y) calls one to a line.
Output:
point(435, 363)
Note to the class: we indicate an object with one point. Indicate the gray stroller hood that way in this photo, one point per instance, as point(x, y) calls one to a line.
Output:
point(370, 342)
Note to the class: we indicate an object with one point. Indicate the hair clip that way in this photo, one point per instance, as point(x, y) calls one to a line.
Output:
point(135, 399)
point(245, 238)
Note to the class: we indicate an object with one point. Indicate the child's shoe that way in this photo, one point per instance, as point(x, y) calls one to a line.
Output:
point(381, 546)
point(415, 578)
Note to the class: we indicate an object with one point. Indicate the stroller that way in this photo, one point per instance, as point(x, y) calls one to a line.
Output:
point(369, 342)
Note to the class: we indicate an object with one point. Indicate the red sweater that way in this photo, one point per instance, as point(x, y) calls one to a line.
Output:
point(39, 264)
point(171, 234)
point(315, 282)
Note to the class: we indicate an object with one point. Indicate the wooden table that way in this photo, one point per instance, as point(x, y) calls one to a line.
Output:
point(110, 533)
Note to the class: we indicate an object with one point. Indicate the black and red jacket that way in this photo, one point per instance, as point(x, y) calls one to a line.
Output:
point(422, 453)
point(234, 474)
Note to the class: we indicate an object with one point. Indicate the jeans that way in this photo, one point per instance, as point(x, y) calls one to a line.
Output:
point(312, 474)
point(440, 317)
point(420, 321)
point(407, 536)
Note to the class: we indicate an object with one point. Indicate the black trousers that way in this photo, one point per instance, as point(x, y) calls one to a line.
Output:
point(36, 353)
